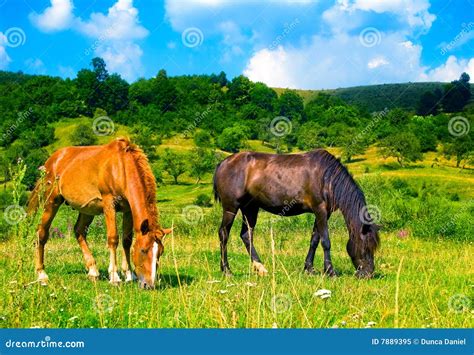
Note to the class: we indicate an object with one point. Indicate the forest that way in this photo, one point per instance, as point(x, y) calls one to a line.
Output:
point(412, 158)
point(224, 114)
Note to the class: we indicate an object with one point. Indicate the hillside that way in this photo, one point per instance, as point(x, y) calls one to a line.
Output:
point(377, 97)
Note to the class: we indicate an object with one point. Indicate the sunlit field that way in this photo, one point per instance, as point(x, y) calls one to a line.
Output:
point(424, 267)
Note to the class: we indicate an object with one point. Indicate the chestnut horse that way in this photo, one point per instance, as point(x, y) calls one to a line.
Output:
point(314, 182)
point(107, 179)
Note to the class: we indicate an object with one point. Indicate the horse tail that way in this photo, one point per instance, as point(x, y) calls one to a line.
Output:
point(214, 182)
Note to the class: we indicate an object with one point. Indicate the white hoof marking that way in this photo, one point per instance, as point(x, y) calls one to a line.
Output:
point(43, 278)
point(114, 278)
point(262, 271)
point(130, 276)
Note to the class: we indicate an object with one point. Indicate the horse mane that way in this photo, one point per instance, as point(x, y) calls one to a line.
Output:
point(146, 175)
point(345, 194)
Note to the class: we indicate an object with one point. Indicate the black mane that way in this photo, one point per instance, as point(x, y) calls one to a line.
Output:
point(344, 194)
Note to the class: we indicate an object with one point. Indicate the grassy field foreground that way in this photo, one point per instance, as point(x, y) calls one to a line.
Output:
point(424, 267)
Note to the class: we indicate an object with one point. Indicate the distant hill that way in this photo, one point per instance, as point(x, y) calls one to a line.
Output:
point(378, 97)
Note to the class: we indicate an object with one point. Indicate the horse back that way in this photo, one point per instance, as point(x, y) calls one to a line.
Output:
point(84, 174)
point(269, 180)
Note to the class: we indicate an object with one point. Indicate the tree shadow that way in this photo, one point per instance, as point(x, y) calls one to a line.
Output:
point(356, 160)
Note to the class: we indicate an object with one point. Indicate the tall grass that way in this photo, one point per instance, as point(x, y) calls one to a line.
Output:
point(427, 225)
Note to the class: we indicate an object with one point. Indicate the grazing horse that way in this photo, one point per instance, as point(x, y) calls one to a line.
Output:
point(107, 179)
point(288, 185)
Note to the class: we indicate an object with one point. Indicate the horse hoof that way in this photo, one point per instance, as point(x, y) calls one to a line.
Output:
point(115, 279)
point(93, 274)
point(227, 273)
point(130, 276)
point(309, 270)
point(331, 273)
point(260, 269)
point(43, 278)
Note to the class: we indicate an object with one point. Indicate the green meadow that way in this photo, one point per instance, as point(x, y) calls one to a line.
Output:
point(424, 266)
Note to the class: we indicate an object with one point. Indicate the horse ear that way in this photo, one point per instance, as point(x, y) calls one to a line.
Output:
point(145, 228)
point(164, 232)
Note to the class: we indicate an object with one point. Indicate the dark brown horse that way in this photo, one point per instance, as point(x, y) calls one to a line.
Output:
point(287, 185)
point(107, 179)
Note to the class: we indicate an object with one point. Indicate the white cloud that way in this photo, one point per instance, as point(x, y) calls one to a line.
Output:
point(4, 58)
point(377, 62)
point(450, 70)
point(339, 61)
point(342, 58)
point(123, 58)
point(57, 17)
point(232, 40)
point(121, 23)
point(414, 12)
point(115, 33)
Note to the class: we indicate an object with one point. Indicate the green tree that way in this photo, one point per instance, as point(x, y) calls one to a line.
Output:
point(457, 94)
point(352, 144)
point(203, 139)
point(239, 90)
point(461, 148)
point(220, 79)
point(33, 160)
point(398, 117)
point(165, 95)
point(425, 131)
point(174, 164)
point(147, 139)
point(404, 146)
point(263, 96)
point(83, 135)
point(311, 136)
point(291, 105)
point(115, 91)
point(232, 138)
point(428, 104)
point(204, 162)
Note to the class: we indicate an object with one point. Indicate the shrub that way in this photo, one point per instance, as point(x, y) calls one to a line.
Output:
point(203, 200)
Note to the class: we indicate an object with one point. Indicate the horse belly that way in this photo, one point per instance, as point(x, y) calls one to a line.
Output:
point(286, 210)
point(92, 207)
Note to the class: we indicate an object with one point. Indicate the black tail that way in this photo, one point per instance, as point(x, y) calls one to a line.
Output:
point(214, 181)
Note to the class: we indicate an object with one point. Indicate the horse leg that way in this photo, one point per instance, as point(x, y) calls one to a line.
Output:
point(50, 210)
point(224, 232)
point(249, 216)
point(112, 239)
point(80, 231)
point(322, 230)
point(308, 264)
point(127, 243)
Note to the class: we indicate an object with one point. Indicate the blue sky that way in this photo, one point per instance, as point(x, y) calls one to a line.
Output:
point(284, 43)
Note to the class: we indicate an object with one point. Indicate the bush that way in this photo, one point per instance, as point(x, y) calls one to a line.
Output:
point(203, 139)
point(203, 200)
point(83, 135)
point(232, 138)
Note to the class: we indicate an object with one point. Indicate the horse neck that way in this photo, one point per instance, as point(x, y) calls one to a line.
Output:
point(350, 200)
point(140, 206)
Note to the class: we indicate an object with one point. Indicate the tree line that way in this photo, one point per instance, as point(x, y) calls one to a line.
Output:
point(218, 114)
